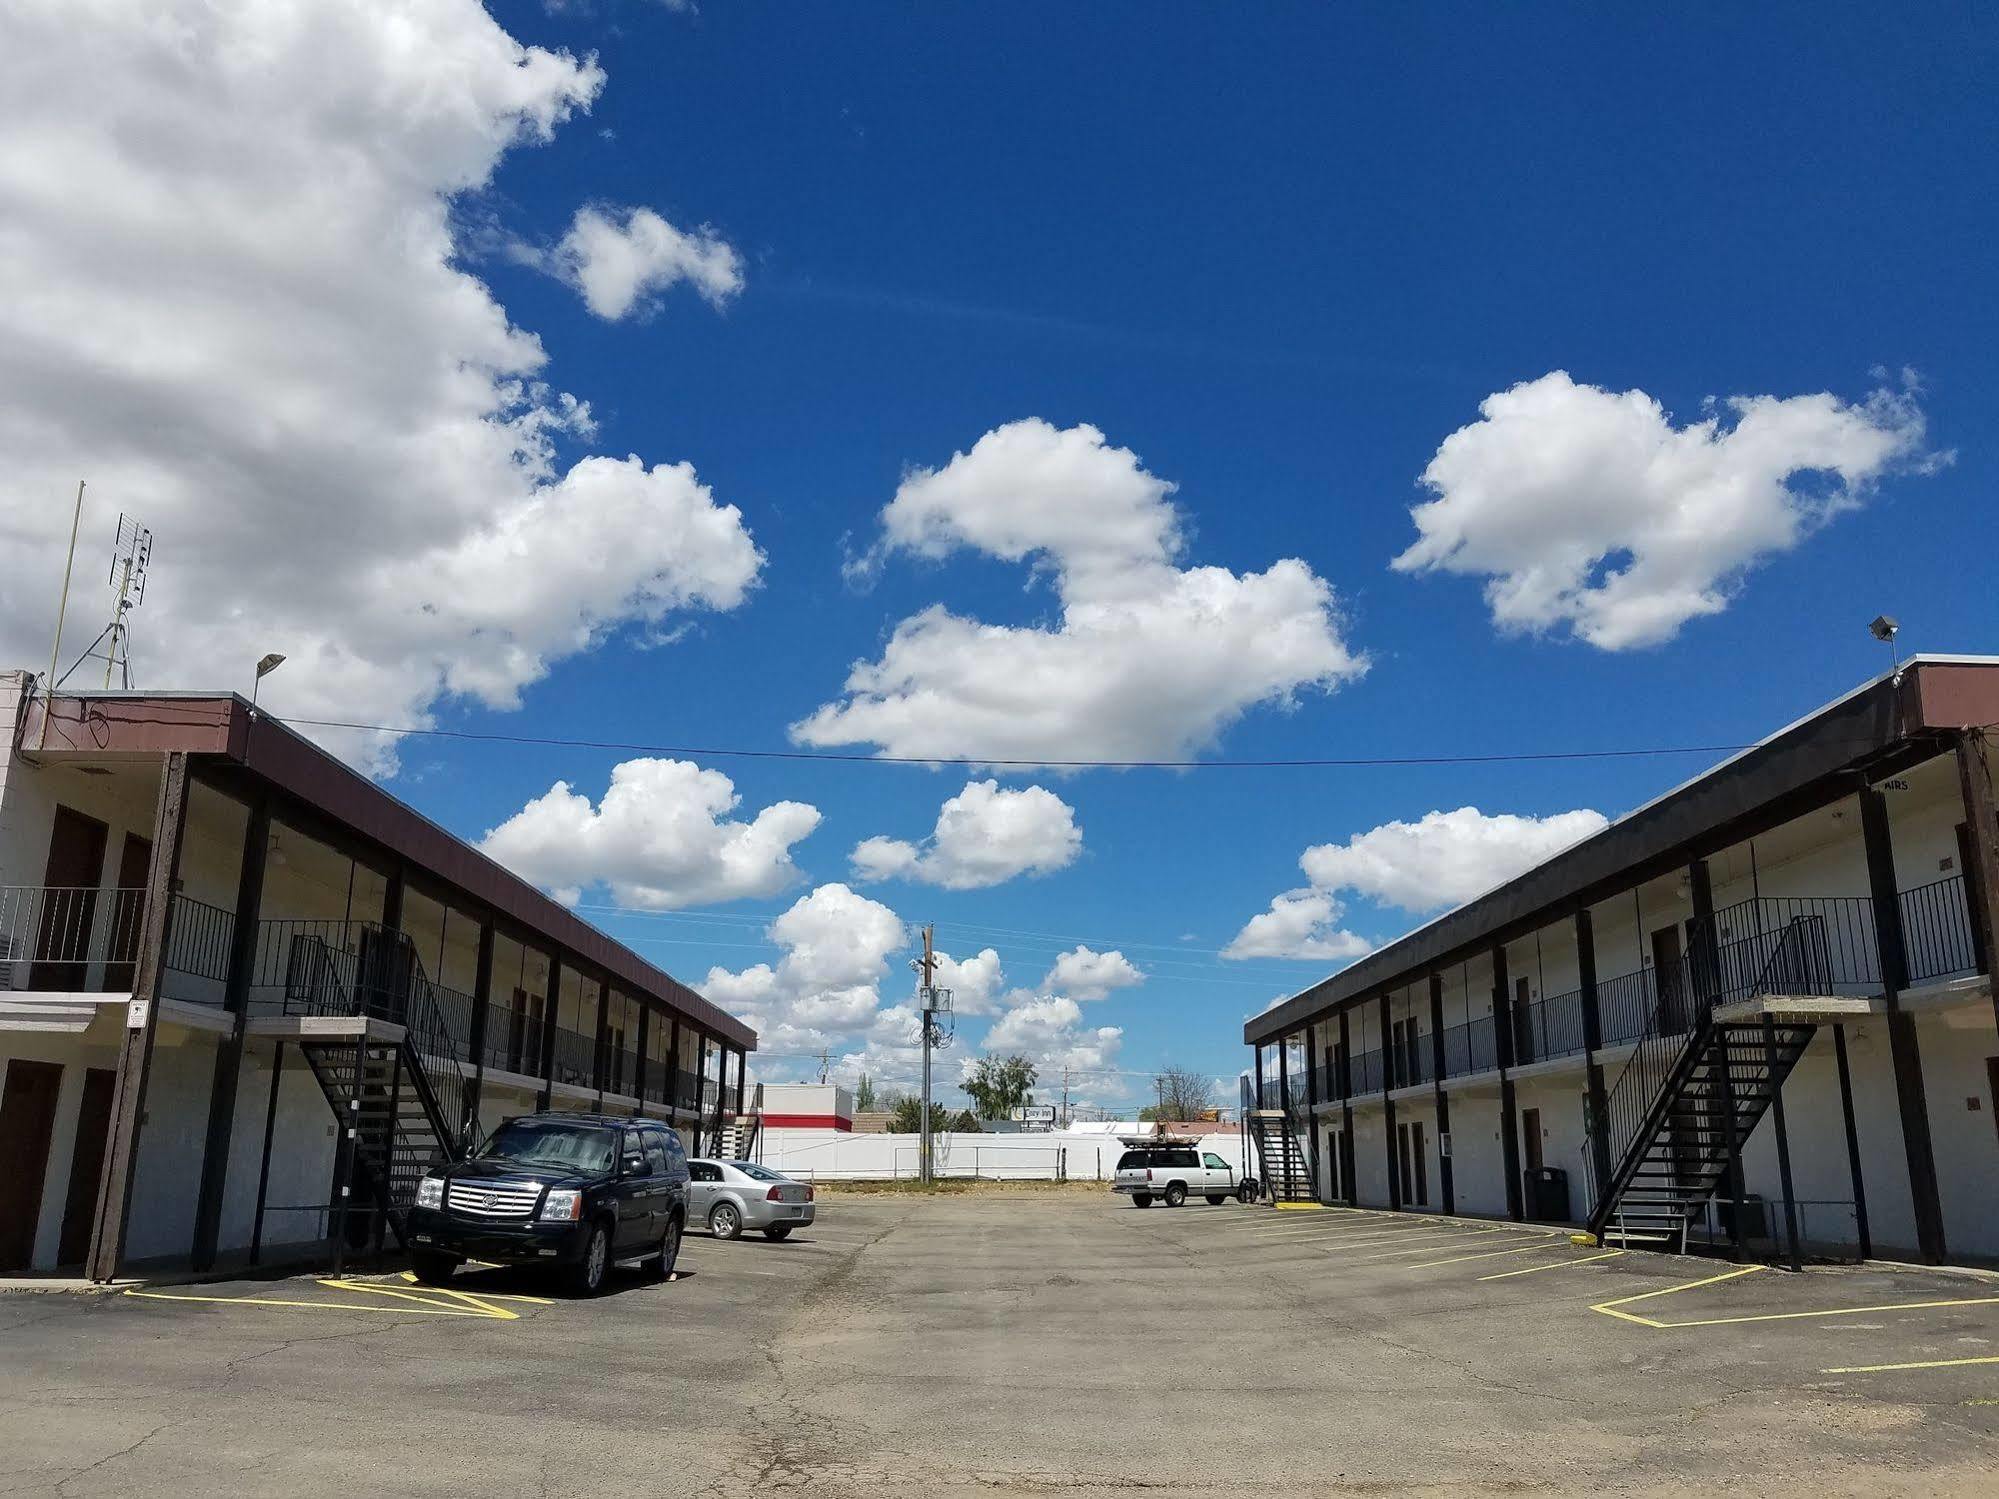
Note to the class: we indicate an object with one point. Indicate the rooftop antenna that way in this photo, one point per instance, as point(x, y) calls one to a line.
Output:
point(62, 608)
point(131, 554)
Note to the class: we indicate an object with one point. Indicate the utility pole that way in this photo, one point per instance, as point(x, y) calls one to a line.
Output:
point(925, 1001)
point(825, 1066)
point(1065, 1097)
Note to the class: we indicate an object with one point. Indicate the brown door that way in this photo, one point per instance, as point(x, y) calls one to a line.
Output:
point(1530, 1138)
point(69, 903)
point(1670, 980)
point(27, 1121)
point(1419, 1155)
point(1402, 1160)
point(122, 948)
point(86, 1165)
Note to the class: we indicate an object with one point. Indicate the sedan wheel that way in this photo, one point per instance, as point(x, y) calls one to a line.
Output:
point(726, 1221)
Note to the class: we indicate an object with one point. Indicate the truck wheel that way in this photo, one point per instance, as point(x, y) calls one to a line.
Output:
point(431, 1268)
point(1216, 1199)
point(1141, 1199)
point(1175, 1194)
point(726, 1221)
point(586, 1276)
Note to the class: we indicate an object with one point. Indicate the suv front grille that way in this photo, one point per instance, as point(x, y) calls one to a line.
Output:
point(498, 1200)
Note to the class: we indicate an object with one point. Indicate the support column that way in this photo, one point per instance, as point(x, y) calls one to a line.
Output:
point(1704, 950)
point(1444, 1180)
point(1388, 1103)
point(264, 1157)
point(1284, 1079)
point(1902, 1044)
point(673, 1071)
point(1509, 1125)
point(229, 1050)
point(600, 1052)
point(482, 1007)
point(1599, 1104)
point(742, 1069)
point(1979, 847)
point(1312, 1116)
point(1783, 1142)
point(1346, 1113)
point(721, 1076)
point(142, 1022)
point(645, 1028)
point(1258, 1050)
point(1852, 1143)
point(551, 1011)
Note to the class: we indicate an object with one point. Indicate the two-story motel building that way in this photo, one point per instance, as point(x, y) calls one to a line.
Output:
point(246, 995)
point(1773, 982)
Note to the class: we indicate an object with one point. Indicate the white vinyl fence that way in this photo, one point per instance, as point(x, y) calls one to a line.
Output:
point(832, 1155)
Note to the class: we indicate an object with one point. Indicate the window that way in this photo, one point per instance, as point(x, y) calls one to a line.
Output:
point(1133, 1160)
point(655, 1144)
point(632, 1147)
point(557, 1144)
point(703, 1171)
point(675, 1156)
point(1214, 1162)
point(755, 1172)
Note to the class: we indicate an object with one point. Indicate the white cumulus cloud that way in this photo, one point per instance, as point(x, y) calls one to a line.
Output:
point(1590, 509)
point(1050, 1033)
point(1442, 859)
point(825, 988)
point(974, 982)
point(1083, 973)
point(237, 305)
point(1299, 924)
point(621, 259)
point(661, 837)
point(985, 835)
point(1149, 659)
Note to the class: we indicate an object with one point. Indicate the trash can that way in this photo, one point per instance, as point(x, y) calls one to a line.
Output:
point(1547, 1194)
point(1755, 1215)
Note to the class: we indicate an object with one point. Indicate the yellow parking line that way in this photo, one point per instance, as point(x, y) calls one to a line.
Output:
point(1389, 1254)
point(1489, 1254)
point(1935, 1363)
point(1609, 1308)
point(1537, 1269)
point(484, 1295)
point(1837, 1311)
point(313, 1306)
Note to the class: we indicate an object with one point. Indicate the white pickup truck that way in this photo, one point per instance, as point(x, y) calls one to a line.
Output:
point(1172, 1173)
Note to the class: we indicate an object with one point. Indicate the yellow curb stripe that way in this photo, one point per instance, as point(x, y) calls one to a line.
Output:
point(1537, 1269)
point(1610, 1308)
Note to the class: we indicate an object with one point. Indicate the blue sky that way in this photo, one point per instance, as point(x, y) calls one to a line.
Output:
point(1280, 256)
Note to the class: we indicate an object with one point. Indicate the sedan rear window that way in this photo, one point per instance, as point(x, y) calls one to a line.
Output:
point(755, 1172)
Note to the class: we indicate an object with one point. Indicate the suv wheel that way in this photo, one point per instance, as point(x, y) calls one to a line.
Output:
point(1216, 1199)
point(586, 1276)
point(432, 1268)
point(1176, 1194)
point(726, 1221)
point(1141, 1199)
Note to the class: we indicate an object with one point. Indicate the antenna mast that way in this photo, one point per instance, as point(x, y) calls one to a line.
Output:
point(131, 554)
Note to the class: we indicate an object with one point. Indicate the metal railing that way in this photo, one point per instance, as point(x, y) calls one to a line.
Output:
point(1470, 1046)
point(574, 1056)
point(1548, 1027)
point(1367, 1073)
point(68, 938)
point(1937, 933)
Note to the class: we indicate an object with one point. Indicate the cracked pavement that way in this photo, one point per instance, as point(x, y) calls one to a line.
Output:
point(1012, 1344)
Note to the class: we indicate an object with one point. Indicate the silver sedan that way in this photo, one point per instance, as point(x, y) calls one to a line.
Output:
point(731, 1196)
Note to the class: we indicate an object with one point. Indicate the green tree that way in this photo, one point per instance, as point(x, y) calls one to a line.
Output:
point(908, 1117)
point(966, 1122)
point(999, 1085)
point(864, 1095)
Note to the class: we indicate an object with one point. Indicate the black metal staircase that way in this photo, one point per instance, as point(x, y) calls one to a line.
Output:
point(1285, 1172)
point(396, 1084)
point(1695, 1087)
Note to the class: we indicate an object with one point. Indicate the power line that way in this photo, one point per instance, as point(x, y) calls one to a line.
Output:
point(838, 757)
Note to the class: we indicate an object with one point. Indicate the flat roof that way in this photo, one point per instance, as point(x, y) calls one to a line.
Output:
point(224, 728)
point(1915, 704)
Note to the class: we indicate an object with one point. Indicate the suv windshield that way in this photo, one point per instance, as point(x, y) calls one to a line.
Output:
point(559, 1146)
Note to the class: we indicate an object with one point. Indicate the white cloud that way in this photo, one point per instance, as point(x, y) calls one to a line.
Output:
point(1442, 859)
point(661, 838)
point(1148, 659)
point(1445, 858)
point(1050, 1033)
point(974, 982)
point(1083, 973)
point(826, 986)
point(1589, 508)
point(1299, 924)
point(985, 835)
point(236, 304)
point(621, 259)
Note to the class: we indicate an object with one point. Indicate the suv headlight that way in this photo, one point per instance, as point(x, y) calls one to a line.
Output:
point(562, 1205)
point(430, 1192)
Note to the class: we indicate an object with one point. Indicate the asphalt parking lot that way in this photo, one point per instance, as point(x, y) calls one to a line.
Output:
point(1028, 1345)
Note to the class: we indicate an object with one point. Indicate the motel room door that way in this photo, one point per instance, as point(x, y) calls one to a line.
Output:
point(27, 1124)
point(69, 904)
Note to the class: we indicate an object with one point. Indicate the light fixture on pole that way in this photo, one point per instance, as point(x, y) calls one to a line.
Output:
point(1884, 629)
point(265, 667)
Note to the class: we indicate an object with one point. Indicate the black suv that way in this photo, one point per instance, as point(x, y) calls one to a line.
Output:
point(572, 1191)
